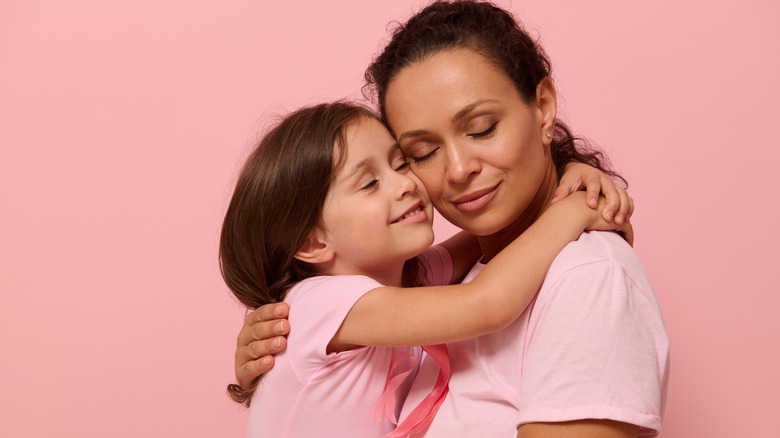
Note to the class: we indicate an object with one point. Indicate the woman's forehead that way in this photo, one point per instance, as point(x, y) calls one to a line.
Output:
point(444, 85)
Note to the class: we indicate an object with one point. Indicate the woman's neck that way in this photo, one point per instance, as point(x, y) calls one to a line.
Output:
point(494, 243)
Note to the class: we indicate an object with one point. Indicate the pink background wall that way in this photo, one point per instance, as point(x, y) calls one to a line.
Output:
point(122, 126)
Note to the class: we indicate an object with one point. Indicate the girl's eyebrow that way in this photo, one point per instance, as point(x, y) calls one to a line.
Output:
point(355, 169)
point(392, 147)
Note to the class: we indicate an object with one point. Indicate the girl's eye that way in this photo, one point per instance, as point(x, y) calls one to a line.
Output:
point(370, 184)
point(484, 133)
point(402, 166)
point(426, 156)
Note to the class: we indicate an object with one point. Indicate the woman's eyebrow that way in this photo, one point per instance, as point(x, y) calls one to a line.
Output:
point(459, 115)
point(415, 133)
point(469, 108)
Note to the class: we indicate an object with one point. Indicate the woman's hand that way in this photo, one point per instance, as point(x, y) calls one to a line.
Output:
point(578, 176)
point(261, 337)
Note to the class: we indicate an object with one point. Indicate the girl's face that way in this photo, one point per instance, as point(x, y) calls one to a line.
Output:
point(479, 148)
point(377, 214)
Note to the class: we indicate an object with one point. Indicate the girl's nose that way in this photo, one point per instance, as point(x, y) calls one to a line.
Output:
point(405, 185)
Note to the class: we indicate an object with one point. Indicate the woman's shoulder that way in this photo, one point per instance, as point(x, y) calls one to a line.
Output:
point(596, 256)
point(596, 247)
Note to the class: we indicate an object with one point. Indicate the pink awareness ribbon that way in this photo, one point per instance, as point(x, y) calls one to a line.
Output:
point(421, 417)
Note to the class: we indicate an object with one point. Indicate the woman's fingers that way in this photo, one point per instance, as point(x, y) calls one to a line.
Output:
point(261, 336)
point(263, 323)
point(257, 358)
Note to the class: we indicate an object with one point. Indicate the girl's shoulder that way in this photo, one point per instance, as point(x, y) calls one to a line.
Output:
point(330, 288)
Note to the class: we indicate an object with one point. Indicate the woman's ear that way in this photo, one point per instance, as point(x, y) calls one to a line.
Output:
point(546, 107)
point(316, 249)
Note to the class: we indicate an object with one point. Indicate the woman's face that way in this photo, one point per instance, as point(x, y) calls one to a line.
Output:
point(479, 148)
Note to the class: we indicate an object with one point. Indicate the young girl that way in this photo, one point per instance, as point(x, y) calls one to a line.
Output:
point(327, 217)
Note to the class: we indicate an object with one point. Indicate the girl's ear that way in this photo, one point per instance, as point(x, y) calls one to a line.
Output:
point(316, 249)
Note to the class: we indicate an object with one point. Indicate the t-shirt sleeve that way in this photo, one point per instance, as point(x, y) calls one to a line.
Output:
point(597, 349)
point(318, 307)
point(438, 266)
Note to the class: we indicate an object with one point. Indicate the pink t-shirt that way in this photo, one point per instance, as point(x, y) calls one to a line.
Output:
point(312, 393)
point(591, 345)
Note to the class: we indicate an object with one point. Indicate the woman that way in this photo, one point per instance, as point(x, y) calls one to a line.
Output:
point(468, 95)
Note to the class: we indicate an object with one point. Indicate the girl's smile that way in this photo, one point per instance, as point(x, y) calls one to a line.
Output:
point(413, 215)
point(375, 202)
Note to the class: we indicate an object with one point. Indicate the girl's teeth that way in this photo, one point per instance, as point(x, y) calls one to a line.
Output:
point(411, 213)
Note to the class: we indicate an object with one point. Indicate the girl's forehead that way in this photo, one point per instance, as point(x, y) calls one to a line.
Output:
point(367, 141)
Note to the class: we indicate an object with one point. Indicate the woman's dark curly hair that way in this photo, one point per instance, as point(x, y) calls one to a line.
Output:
point(496, 35)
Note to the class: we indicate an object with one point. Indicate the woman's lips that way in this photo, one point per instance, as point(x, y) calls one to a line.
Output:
point(475, 200)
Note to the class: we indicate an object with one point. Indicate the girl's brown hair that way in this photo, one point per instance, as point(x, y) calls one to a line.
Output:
point(278, 202)
point(496, 35)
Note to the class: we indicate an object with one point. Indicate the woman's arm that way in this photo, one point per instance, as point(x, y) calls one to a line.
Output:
point(579, 429)
point(394, 316)
point(262, 335)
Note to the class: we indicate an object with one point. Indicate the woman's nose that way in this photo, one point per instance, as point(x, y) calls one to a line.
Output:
point(461, 163)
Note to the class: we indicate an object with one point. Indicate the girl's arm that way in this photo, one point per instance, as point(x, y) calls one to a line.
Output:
point(394, 316)
point(464, 250)
point(464, 247)
point(579, 176)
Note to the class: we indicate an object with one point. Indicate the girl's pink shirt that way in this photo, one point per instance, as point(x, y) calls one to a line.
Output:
point(312, 393)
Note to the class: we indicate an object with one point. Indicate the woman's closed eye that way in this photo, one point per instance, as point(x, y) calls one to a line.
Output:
point(485, 133)
point(425, 157)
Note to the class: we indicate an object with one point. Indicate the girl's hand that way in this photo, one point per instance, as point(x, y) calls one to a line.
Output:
point(601, 224)
point(578, 176)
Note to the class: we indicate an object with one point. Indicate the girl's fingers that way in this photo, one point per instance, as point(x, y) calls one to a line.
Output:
point(630, 209)
point(612, 195)
point(628, 233)
point(623, 213)
point(593, 188)
point(563, 191)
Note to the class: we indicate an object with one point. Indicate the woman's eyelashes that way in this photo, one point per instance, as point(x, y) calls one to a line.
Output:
point(486, 133)
point(475, 135)
point(425, 157)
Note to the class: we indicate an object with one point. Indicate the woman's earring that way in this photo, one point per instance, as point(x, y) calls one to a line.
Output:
point(548, 134)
